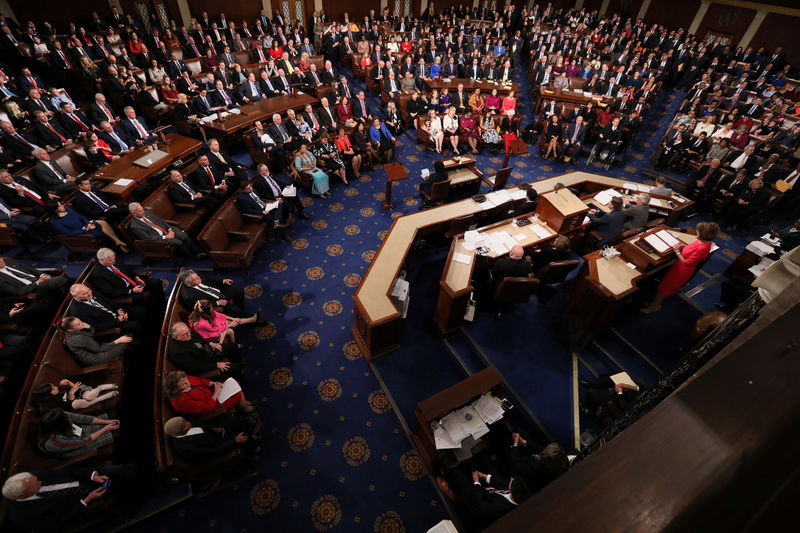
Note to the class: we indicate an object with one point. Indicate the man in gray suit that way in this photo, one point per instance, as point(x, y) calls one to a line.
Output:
point(638, 212)
point(148, 227)
point(50, 175)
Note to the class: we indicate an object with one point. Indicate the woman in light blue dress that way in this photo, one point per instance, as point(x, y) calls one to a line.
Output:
point(305, 161)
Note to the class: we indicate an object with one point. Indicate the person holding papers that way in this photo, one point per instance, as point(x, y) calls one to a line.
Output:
point(435, 177)
point(608, 225)
point(617, 390)
point(271, 189)
point(689, 257)
point(190, 395)
point(212, 440)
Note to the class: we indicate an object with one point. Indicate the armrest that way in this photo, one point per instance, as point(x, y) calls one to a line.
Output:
point(124, 300)
point(252, 219)
point(174, 223)
point(184, 206)
point(94, 369)
point(596, 235)
point(107, 332)
point(239, 235)
point(9, 327)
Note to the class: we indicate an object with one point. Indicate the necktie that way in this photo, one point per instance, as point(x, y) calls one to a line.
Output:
point(107, 112)
point(33, 82)
point(64, 58)
point(97, 200)
point(272, 185)
point(314, 120)
point(24, 277)
point(122, 145)
point(74, 117)
point(262, 204)
point(219, 156)
point(62, 489)
point(211, 176)
point(98, 305)
point(154, 226)
point(187, 188)
point(21, 138)
point(119, 273)
point(363, 108)
point(54, 131)
point(574, 135)
point(139, 128)
point(32, 195)
point(791, 178)
point(216, 293)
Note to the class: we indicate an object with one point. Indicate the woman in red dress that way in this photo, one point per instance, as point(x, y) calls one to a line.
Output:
point(689, 257)
point(190, 395)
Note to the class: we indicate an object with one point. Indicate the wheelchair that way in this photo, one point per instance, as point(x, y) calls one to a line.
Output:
point(604, 153)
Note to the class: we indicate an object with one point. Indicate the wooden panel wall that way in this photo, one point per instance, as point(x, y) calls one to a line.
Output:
point(779, 30)
point(673, 13)
point(627, 8)
point(234, 11)
point(335, 9)
point(726, 19)
point(59, 14)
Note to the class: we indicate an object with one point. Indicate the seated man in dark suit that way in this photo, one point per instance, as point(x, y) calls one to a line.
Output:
point(50, 175)
point(361, 111)
point(251, 203)
point(573, 139)
point(94, 204)
point(148, 227)
point(23, 194)
point(531, 201)
point(116, 139)
point(35, 103)
point(193, 354)
point(114, 279)
point(220, 292)
point(750, 201)
point(222, 97)
point(74, 122)
point(608, 225)
point(45, 500)
point(208, 179)
point(280, 134)
point(101, 110)
point(263, 142)
point(17, 280)
point(537, 469)
point(19, 141)
point(439, 175)
point(176, 67)
point(270, 188)
point(704, 180)
point(250, 91)
point(25, 226)
point(551, 253)
point(135, 128)
point(225, 164)
point(51, 135)
point(204, 105)
point(180, 191)
point(488, 496)
point(210, 440)
point(516, 265)
point(103, 313)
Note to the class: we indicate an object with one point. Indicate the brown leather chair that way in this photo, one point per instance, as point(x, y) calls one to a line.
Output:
point(231, 242)
point(422, 135)
point(148, 249)
point(74, 244)
point(459, 225)
point(499, 180)
point(556, 272)
point(513, 290)
point(187, 216)
point(439, 192)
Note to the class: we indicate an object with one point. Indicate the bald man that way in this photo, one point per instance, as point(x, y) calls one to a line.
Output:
point(515, 265)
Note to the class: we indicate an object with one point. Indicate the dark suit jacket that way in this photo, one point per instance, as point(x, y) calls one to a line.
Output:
point(209, 444)
point(218, 100)
point(245, 91)
point(96, 114)
point(130, 130)
point(194, 356)
point(50, 180)
point(142, 231)
point(48, 514)
point(95, 316)
point(48, 136)
point(72, 127)
point(488, 506)
point(523, 464)
point(10, 286)
point(263, 189)
point(506, 267)
point(179, 194)
point(11, 198)
point(110, 284)
point(608, 225)
point(200, 181)
point(357, 111)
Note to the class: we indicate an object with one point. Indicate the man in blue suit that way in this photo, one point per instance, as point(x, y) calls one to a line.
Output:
point(176, 66)
point(135, 128)
point(251, 203)
point(249, 91)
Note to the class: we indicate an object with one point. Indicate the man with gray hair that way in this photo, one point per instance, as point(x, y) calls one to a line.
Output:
point(221, 292)
point(135, 128)
point(50, 175)
point(208, 441)
point(280, 134)
point(638, 212)
point(146, 226)
point(114, 279)
point(44, 500)
point(193, 354)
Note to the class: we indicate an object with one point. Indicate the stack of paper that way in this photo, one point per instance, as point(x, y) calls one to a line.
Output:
point(623, 378)
point(472, 422)
point(473, 239)
point(442, 438)
point(604, 197)
point(657, 202)
point(759, 248)
point(229, 388)
point(518, 194)
point(659, 245)
point(488, 408)
point(761, 267)
point(272, 205)
point(462, 258)
point(769, 239)
point(289, 191)
point(499, 197)
point(540, 231)
point(454, 426)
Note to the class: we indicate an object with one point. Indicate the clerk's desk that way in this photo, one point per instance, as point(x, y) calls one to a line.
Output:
point(377, 323)
point(603, 286)
point(670, 208)
point(462, 174)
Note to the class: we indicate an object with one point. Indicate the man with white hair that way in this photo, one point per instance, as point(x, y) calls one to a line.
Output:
point(100, 110)
point(280, 134)
point(44, 500)
point(147, 226)
point(135, 127)
point(50, 175)
point(114, 279)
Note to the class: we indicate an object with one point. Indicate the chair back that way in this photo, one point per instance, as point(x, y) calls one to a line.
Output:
point(439, 191)
point(501, 178)
point(516, 289)
point(556, 272)
point(459, 225)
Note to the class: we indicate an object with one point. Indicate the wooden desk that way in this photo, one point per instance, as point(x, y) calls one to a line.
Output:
point(376, 321)
point(250, 113)
point(456, 283)
point(603, 286)
point(470, 85)
point(659, 205)
point(176, 147)
point(395, 171)
point(567, 96)
point(462, 173)
point(440, 404)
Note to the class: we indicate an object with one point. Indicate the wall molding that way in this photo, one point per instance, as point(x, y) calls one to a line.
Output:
point(758, 6)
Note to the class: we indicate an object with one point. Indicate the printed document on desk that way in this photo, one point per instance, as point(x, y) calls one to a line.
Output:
point(473, 422)
point(488, 408)
point(657, 244)
point(454, 425)
point(667, 237)
point(540, 231)
point(442, 438)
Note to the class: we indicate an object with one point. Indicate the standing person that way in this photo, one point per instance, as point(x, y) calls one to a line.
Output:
point(688, 258)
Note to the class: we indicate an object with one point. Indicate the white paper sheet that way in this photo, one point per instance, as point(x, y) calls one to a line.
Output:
point(272, 205)
point(667, 237)
point(229, 388)
point(518, 194)
point(488, 408)
point(442, 439)
point(289, 191)
point(462, 258)
point(520, 237)
point(454, 426)
point(759, 248)
point(540, 231)
point(122, 182)
point(659, 245)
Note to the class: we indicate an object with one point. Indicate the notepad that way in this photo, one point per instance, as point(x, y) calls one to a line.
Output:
point(657, 244)
point(272, 205)
point(442, 438)
point(520, 237)
point(229, 388)
point(623, 378)
point(123, 182)
point(289, 191)
point(540, 231)
point(462, 258)
point(518, 194)
point(488, 408)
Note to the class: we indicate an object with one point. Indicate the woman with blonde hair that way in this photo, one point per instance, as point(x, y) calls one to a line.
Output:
point(190, 395)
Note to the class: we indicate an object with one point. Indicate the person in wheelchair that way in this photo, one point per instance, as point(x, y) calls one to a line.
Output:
point(675, 143)
point(608, 142)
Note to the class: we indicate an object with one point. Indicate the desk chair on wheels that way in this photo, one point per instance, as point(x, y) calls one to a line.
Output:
point(513, 290)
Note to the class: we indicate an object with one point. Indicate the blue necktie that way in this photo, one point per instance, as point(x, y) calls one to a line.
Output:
point(98, 201)
point(119, 141)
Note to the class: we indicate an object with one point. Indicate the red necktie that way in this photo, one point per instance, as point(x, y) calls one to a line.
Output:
point(119, 273)
point(64, 58)
point(33, 82)
point(363, 108)
point(156, 226)
point(211, 175)
point(33, 197)
point(314, 119)
point(107, 112)
point(54, 131)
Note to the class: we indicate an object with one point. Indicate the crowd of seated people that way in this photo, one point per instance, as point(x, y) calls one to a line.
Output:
point(124, 80)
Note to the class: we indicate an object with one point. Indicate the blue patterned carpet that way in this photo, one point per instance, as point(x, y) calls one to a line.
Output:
point(336, 456)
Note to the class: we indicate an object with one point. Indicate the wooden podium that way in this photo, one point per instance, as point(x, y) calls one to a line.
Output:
point(562, 210)
point(394, 172)
point(516, 147)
